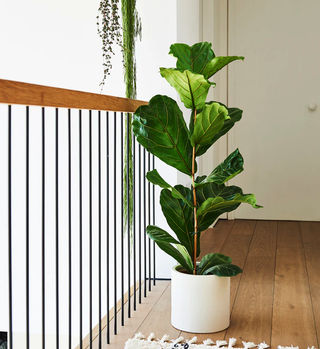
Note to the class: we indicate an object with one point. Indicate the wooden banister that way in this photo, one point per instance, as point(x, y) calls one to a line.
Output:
point(13, 92)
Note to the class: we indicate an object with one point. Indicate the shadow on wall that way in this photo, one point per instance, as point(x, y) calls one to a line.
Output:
point(3, 340)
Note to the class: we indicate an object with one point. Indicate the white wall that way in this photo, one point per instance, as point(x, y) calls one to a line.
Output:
point(51, 43)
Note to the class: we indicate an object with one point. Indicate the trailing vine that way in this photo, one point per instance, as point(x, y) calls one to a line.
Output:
point(110, 33)
point(131, 25)
point(109, 30)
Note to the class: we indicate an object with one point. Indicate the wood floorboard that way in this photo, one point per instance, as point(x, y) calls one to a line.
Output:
point(312, 255)
point(310, 231)
point(237, 247)
point(293, 321)
point(289, 235)
point(159, 320)
point(243, 227)
point(264, 240)
point(311, 238)
point(276, 299)
point(252, 311)
point(214, 238)
point(133, 324)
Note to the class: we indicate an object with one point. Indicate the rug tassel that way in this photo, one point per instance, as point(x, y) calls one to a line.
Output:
point(263, 345)
point(248, 345)
point(232, 342)
point(208, 342)
point(193, 340)
point(139, 335)
point(180, 339)
point(151, 337)
point(164, 338)
point(221, 343)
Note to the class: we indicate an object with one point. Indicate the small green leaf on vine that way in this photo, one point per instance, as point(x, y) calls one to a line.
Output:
point(109, 30)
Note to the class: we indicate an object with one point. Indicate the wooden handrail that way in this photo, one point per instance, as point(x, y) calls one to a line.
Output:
point(13, 92)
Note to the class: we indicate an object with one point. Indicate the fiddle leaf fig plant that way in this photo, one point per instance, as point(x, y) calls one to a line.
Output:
point(160, 128)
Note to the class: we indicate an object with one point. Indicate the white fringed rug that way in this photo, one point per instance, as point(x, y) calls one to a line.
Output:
point(140, 341)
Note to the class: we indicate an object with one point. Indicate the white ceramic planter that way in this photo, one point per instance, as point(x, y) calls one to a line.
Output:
point(199, 303)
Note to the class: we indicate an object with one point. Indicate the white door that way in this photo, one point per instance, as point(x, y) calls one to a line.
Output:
point(277, 86)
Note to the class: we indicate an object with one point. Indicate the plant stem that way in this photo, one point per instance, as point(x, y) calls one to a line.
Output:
point(195, 207)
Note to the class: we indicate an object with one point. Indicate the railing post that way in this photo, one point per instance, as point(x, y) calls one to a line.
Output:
point(10, 337)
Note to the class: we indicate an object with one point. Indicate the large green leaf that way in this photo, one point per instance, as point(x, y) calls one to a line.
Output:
point(174, 253)
point(218, 63)
point(180, 217)
point(163, 238)
point(185, 255)
point(155, 178)
point(192, 88)
point(159, 235)
point(193, 58)
point(161, 129)
point(212, 259)
point(215, 199)
point(228, 169)
point(235, 115)
point(200, 58)
point(208, 123)
point(224, 270)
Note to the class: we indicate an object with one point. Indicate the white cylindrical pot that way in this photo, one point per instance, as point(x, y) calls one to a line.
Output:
point(199, 303)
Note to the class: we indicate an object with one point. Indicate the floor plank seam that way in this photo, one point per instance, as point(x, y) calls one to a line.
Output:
point(233, 223)
point(244, 264)
point(307, 273)
point(227, 236)
point(153, 306)
point(274, 280)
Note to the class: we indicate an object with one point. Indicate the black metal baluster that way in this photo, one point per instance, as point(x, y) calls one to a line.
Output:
point(140, 257)
point(144, 222)
point(10, 229)
point(43, 233)
point(128, 213)
point(27, 234)
point(122, 228)
point(149, 220)
point(80, 228)
point(99, 208)
point(134, 224)
point(70, 239)
point(57, 228)
point(115, 220)
point(90, 227)
point(154, 222)
point(107, 228)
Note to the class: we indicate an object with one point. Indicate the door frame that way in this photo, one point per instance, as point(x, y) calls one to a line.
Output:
point(231, 78)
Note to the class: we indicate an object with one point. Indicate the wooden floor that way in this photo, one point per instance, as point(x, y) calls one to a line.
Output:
point(276, 299)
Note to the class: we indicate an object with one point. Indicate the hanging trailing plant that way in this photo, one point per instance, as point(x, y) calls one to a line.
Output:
point(131, 25)
point(110, 32)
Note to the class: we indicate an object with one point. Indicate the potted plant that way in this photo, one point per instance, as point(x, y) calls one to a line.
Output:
point(200, 290)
